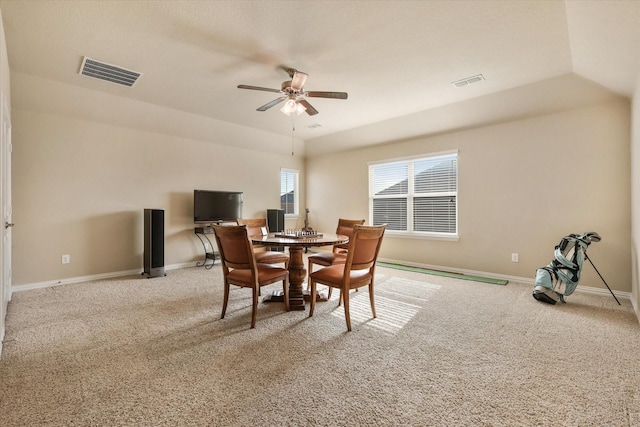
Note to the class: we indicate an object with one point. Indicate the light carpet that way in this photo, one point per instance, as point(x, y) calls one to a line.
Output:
point(442, 352)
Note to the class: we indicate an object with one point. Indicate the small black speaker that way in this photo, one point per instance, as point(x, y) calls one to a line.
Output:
point(275, 220)
point(154, 242)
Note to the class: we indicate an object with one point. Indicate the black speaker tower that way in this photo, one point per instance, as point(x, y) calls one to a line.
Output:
point(275, 220)
point(154, 242)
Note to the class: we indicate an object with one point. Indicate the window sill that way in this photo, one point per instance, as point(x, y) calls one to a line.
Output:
point(423, 236)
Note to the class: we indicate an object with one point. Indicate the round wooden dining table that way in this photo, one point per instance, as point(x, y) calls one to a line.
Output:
point(296, 244)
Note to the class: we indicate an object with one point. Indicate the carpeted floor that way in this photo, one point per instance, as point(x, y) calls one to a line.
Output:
point(442, 352)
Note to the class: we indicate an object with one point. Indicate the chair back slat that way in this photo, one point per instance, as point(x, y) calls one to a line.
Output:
point(345, 227)
point(254, 225)
point(234, 245)
point(364, 246)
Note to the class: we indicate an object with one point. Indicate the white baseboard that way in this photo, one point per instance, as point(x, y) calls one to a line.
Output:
point(79, 279)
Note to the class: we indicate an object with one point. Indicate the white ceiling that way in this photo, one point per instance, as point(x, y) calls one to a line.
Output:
point(396, 59)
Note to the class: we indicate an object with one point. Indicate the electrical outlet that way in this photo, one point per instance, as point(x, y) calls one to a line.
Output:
point(514, 257)
point(66, 259)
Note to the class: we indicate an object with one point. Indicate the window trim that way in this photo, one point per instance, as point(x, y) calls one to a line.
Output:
point(410, 195)
point(296, 192)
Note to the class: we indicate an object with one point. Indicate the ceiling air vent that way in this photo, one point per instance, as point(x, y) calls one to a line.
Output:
point(111, 73)
point(468, 81)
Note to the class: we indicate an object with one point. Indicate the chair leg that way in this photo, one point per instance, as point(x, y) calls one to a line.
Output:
point(309, 271)
point(285, 290)
point(313, 297)
point(225, 299)
point(373, 306)
point(344, 294)
point(254, 307)
point(339, 299)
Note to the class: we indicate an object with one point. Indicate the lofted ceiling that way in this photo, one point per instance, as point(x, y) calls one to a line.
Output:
point(396, 59)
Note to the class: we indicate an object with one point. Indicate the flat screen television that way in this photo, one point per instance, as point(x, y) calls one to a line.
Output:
point(215, 206)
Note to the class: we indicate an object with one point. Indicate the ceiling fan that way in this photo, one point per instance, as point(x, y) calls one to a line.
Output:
point(294, 94)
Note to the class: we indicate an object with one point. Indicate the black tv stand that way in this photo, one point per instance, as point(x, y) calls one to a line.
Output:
point(209, 254)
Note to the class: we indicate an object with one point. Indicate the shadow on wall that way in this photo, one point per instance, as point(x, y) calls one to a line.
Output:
point(180, 252)
point(180, 229)
point(181, 208)
point(114, 242)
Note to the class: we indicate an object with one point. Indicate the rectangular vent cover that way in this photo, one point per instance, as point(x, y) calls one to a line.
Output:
point(468, 80)
point(111, 73)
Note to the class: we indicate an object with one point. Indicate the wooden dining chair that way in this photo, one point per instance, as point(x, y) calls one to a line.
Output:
point(338, 255)
point(357, 271)
point(263, 255)
point(240, 268)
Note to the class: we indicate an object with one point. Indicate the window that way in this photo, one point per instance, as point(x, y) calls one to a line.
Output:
point(417, 195)
point(289, 191)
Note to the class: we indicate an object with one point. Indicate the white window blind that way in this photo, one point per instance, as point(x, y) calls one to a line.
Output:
point(416, 195)
point(289, 191)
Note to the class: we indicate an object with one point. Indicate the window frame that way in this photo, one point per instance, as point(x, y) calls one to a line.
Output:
point(295, 175)
point(410, 195)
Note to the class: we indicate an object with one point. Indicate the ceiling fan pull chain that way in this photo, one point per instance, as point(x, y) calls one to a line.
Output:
point(293, 129)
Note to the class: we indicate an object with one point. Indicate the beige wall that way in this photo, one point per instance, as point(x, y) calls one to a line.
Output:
point(80, 188)
point(4, 63)
point(635, 196)
point(523, 185)
point(5, 294)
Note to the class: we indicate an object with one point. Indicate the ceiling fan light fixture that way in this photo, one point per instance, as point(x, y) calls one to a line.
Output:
point(300, 108)
point(291, 106)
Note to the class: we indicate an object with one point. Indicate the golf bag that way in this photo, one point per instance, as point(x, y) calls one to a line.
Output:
point(560, 278)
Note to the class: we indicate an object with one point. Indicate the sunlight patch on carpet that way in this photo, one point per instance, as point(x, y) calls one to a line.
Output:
point(406, 288)
point(393, 315)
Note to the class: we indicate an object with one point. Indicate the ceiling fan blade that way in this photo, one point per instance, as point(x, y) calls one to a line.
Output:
point(309, 108)
point(335, 95)
point(266, 89)
point(268, 105)
point(298, 80)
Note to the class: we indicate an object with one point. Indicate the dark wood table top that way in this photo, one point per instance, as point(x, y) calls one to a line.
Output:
point(322, 239)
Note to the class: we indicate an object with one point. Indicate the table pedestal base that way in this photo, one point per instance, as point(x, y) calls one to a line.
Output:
point(278, 296)
point(297, 275)
point(297, 272)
